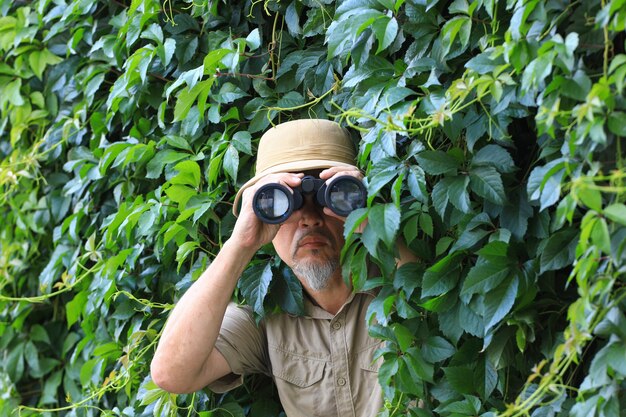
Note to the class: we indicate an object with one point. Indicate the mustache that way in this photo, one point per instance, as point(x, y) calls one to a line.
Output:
point(313, 233)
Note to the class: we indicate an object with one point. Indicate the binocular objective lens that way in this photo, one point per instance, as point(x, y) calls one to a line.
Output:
point(272, 203)
point(346, 196)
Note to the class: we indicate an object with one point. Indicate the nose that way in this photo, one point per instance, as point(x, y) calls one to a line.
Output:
point(311, 215)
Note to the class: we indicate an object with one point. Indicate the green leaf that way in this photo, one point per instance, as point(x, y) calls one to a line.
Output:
point(487, 183)
point(188, 174)
point(385, 29)
point(437, 162)
point(437, 349)
point(484, 277)
point(39, 60)
point(187, 97)
point(589, 196)
point(290, 100)
point(461, 378)
point(601, 237)
point(442, 276)
point(231, 162)
point(457, 192)
point(180, 194)
point(558, 251)
point(12, 93)
point(288, 292)
point(422, 369)
point(616, 213)
point(499, 302)
point(242, 141)
point(494, 156)
point(162, 158)
point(617, 123)
point(166, 52)
point(403, 336)
point(385, 221)
point(74, 308)
point(184, 251)
point(417, 183)
point(178, 142)
point(254, 284)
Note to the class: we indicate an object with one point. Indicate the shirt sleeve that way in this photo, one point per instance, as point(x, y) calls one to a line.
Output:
point(243, 344)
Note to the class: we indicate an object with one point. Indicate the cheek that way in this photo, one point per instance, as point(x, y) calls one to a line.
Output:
point(282, 242)
point(336, 228)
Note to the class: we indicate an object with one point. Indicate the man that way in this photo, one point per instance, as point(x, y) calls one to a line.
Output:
point(322, 363)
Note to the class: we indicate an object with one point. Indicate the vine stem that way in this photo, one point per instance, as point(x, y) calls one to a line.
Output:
point(42, 298)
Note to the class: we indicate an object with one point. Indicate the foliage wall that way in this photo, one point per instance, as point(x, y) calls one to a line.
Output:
point(491, 133)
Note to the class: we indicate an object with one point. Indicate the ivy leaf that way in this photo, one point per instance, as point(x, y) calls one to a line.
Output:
point(187, 97)
point(617, 213)
point(156, 164)
point(499, 302)
point(385, 29)
point(39, 60)
point(184, 251)
point(436, 349)
point(188, 174)
point(494, 156)
point(231, 162)
point(253, 40)
point(437, 162)
point(558, 251)
point(441, 277)
point(385, 221)
point(484, 277)
point(254, 283)
point(242, 141)
point(288, 292)
point(461, 378)
point(487, 183)
point(457, 192)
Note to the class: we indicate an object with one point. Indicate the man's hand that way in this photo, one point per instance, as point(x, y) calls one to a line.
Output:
point(250, 232)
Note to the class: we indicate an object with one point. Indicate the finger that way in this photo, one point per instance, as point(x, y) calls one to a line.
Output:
point(287, 179)
point(332, 171)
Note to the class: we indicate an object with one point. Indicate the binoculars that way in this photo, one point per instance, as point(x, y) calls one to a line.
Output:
point(273, 203)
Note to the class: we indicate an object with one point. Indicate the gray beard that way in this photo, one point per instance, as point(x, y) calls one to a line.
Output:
point(316, 274)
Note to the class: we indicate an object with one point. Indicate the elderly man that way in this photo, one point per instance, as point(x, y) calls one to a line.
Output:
point(322, 362)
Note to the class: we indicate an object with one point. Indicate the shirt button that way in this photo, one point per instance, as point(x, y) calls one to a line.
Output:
point(336, 325)
point(341, 382)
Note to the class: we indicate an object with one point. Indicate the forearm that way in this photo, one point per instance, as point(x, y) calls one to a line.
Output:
point(182, 356)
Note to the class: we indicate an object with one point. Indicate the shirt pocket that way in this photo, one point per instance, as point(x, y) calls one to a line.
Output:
point(365, 358)
point(296, 369)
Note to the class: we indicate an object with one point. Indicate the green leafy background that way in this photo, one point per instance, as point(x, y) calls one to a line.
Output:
point(491, 135)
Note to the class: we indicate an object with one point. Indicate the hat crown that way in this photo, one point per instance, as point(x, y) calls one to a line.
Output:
point(304, 140)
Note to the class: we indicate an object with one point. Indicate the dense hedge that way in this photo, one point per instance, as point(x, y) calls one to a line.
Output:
point(491, 133)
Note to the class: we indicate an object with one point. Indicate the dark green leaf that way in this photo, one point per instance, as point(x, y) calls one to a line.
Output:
point(437, 162)
point(254, 283)
point(385, 221)
point(483, 277)
point(558, 251)
point(487, 183)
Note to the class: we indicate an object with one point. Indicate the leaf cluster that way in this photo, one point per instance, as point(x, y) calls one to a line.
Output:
point(491, 136)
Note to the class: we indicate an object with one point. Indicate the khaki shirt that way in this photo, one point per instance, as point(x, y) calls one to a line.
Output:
point(322, 364)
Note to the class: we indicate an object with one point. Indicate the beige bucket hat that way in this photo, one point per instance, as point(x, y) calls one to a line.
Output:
point(301, 145)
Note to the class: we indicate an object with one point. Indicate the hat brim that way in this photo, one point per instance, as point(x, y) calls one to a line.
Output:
point(297, 166)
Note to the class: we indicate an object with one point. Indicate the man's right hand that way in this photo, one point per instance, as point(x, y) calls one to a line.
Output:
point(250, 233)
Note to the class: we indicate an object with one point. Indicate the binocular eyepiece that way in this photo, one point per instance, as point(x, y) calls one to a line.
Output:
point(273, 203)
